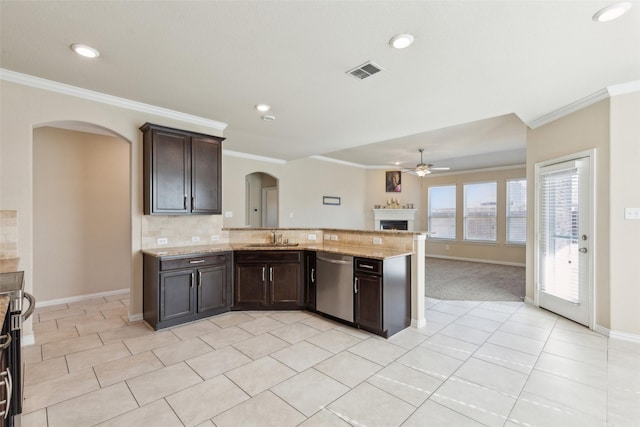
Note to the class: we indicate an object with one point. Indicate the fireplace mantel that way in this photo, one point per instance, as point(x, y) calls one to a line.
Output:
point(408, 215)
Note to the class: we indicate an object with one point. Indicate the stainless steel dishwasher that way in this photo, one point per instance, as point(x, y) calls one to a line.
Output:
point(334, 285)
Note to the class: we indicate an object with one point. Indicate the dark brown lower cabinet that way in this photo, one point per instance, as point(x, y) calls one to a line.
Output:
point(268, 280)
point(179, 289)
point(310, 280)
point(382, 294)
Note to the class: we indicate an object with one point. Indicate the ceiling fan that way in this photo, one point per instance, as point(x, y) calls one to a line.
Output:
point(423, 169)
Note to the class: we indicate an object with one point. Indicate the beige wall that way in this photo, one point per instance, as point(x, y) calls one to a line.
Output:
point(81, 217)
point(498, 252)
point(583, 130)
point(375, 194)
point(625, 193)
point(301, 183)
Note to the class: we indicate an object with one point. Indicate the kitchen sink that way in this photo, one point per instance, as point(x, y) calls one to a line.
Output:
point(272, 245)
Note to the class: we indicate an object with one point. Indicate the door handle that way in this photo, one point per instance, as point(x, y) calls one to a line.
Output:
point(271, 274)
point(313, 275)
point(355, 286)
point(263, 268)
point(583, 250)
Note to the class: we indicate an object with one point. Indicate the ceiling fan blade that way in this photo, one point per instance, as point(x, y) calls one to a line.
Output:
point(442, 168)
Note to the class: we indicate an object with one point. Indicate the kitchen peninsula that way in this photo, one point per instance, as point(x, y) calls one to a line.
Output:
point(274, 268)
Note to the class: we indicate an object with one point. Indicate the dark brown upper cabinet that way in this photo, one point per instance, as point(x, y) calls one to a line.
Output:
point(182, 172)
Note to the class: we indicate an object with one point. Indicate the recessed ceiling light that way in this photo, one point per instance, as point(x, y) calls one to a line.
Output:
point(263, 107)
point(401, 41)
point(268, 118)
point(84, 50)
point(612, 12)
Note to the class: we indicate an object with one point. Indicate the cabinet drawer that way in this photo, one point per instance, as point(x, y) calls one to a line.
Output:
point(192, 261)
point(268, 256)
point(366, 265)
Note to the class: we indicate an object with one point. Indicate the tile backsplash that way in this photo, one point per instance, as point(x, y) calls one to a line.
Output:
point(9, 240)
point(184, 230)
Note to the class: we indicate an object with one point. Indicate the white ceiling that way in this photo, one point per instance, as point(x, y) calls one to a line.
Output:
point(478, 72)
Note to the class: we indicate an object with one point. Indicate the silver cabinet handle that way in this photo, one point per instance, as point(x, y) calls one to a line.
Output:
point(32, 305)
point(193, 279)
point(184, 205)
point(355, 286)
point(198, 261)
point(370, 267)
point(7, 343)
point(8, 384)
point(271, 274)
point(313, 275)
point(263, 268)
point(199, 279)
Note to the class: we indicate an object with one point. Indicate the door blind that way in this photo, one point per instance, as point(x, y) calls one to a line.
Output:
point(559, 234)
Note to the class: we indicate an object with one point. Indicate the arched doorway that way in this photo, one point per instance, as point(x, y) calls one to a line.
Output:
point(262, 200)
point(81, 211)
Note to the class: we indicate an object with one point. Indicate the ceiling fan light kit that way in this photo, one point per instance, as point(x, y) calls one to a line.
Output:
point(423, 169)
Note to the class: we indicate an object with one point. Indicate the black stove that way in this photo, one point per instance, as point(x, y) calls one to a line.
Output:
point(12, 285)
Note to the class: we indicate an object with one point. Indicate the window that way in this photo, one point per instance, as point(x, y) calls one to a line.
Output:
point(442, 212)
point(517, 211)
point(480, 211)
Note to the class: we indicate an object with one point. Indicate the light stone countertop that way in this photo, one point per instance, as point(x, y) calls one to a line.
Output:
point(357, 251)
point(4, 306)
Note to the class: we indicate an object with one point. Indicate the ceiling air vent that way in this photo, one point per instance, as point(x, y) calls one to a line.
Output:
point(365, 70)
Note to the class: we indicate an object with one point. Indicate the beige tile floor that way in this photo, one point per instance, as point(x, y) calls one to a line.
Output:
point(473, 364)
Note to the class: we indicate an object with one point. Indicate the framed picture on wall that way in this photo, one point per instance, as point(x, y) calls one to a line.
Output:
point(393, 183)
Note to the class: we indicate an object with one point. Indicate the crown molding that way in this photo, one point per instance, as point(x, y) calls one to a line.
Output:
point(253, 157)
point(65, 89)
point(340, 162)
point(613, 90)
point(465, 172)
point(624, 88)
point(568, 109)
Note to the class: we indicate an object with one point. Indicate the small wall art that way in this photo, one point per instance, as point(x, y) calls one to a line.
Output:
point(393, 181)
point(330, 200)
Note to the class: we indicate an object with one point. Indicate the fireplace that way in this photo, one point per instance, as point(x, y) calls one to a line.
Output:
point(394, 217)
point(394, 224)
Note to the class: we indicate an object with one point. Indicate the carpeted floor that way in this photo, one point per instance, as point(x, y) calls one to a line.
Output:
point(473, 281)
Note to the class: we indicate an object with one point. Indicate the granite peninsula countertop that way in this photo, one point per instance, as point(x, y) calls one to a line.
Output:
point(4, 306)
point(357, 251)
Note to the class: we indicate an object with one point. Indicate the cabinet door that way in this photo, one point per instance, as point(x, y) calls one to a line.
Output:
point(170, 173)
point(176, 294)
point(212, 289)
point(368, 301)
point(310, 280)
point(205, 175)
point(286, 284)
point(250, 284)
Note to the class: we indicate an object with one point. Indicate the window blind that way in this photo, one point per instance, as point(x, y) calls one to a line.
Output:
point(480, 209)
point(559, 234)
point(442, 212)
point(517, 211)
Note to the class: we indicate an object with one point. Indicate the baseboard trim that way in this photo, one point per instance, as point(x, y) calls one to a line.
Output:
point(602, 330)
point(485, 261)
point(625, 336)
point(135, 317)
point(418, 323)
point(80, 298)
point(27, 339)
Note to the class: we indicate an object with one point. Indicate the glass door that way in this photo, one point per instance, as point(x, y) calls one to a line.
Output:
point(563, 240)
